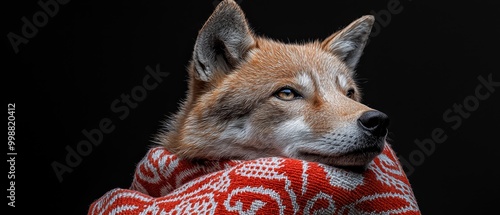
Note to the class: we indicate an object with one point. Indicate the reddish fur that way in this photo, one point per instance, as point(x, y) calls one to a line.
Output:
point(259, 81)
point(231, 100)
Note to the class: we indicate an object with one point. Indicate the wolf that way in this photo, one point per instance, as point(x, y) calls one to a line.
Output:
point(250, 97)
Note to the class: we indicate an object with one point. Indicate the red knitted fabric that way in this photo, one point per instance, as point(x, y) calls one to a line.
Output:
point(164, 184)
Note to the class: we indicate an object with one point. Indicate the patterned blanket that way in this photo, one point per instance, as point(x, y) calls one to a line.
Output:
point(164, 184)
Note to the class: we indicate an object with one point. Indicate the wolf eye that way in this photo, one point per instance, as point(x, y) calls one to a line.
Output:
point(287, 94)
point(350, 93)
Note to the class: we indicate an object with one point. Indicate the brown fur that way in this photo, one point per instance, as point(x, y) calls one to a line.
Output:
point(232, 111)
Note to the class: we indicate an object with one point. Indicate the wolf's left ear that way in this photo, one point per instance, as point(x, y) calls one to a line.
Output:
point(223, 42)
point(348, 43)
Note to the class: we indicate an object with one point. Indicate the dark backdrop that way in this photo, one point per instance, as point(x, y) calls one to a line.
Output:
point(426, 66)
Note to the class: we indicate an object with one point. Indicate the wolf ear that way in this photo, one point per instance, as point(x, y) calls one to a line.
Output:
point(223, 42)
point(348, 43)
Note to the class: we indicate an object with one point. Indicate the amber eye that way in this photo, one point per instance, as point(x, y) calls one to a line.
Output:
point(350, 93)
point(287, 94)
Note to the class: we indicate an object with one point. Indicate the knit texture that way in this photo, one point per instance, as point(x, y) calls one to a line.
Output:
point(165, 184)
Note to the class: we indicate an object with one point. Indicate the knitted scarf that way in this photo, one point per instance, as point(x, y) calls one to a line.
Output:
point(165, 184)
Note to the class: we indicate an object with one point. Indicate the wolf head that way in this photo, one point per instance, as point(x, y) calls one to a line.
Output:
point(252, 97)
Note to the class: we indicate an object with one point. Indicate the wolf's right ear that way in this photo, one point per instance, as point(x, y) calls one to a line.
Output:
point(223, 42)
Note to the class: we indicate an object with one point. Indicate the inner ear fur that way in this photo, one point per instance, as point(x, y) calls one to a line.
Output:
point(222, 43)
point(348, 44)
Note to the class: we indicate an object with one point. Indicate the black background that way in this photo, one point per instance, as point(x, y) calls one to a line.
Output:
point(421, 62)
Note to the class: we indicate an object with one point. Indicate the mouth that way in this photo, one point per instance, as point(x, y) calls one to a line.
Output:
point(359, 157)
point(371, 149)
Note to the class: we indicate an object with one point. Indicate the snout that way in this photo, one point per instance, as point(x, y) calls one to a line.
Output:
point(355, 145)
point(374, 123)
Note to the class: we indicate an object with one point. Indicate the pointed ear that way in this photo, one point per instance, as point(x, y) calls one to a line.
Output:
point(348, 43)
point(223, 42)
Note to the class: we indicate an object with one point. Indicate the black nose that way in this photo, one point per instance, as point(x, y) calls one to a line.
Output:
point(374, 122)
